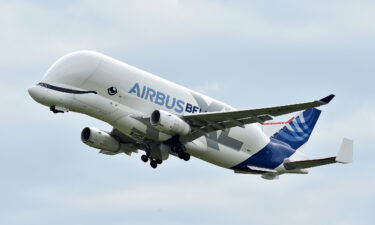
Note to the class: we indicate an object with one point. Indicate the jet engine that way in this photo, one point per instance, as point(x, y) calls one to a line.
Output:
point(96, 138)
point(169, 123)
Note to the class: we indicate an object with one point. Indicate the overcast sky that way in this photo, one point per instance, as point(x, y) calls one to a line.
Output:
point(246, 53)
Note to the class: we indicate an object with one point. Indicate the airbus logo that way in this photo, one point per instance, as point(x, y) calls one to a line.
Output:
point(163, 99)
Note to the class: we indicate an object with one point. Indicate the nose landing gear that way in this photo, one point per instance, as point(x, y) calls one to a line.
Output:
point(58, 109)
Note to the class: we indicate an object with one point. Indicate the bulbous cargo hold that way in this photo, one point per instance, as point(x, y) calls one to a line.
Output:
point(73, 69)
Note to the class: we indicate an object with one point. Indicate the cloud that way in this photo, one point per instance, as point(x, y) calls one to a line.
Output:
point(42, 31)
point(208, 88)
point(213, 200)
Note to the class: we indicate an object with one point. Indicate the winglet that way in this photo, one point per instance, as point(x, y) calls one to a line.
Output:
point(345, 154)
point(327, 99)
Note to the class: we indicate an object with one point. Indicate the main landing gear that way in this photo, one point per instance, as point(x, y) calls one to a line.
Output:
point(179, 150)
point(153, 162)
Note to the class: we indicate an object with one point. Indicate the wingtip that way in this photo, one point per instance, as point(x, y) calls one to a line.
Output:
point(327, 99)
point(345, 154)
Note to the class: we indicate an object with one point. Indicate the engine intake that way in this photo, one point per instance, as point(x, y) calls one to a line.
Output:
point(100, 139)
point(169, 123)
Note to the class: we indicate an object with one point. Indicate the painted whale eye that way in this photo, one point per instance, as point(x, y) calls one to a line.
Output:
point(112, 91)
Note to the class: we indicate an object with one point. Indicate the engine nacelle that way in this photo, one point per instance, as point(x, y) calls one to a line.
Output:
point(96, 138)
point(169, 123)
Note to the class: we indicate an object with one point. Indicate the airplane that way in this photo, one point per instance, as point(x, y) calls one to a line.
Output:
point(161, 118)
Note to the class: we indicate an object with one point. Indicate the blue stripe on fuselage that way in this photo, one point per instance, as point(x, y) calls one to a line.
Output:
point(270, 157)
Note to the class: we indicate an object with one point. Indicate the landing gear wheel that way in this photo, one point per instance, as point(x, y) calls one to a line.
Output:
point(153, 164)
point(186, 156)
point(159, 161)
point(181, 155)
point(144, 158)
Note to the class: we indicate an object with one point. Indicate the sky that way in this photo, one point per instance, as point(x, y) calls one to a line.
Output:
point(249, 54)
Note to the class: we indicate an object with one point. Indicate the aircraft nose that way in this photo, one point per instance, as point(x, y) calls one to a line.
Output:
point(36, 93)
point(32, 92)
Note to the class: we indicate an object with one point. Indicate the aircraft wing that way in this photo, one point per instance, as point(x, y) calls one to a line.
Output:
point(128, 145)
point(204, 123)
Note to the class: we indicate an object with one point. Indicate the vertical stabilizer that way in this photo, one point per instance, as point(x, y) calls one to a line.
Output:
point(297, 132)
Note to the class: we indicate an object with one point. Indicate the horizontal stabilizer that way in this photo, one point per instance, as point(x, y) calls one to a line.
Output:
point(345, 155)
point(308, 163)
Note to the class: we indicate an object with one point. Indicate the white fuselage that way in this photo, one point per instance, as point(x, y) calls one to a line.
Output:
point(140, 93)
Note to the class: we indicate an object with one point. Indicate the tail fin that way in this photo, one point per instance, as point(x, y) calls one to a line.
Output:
point(297, 132)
